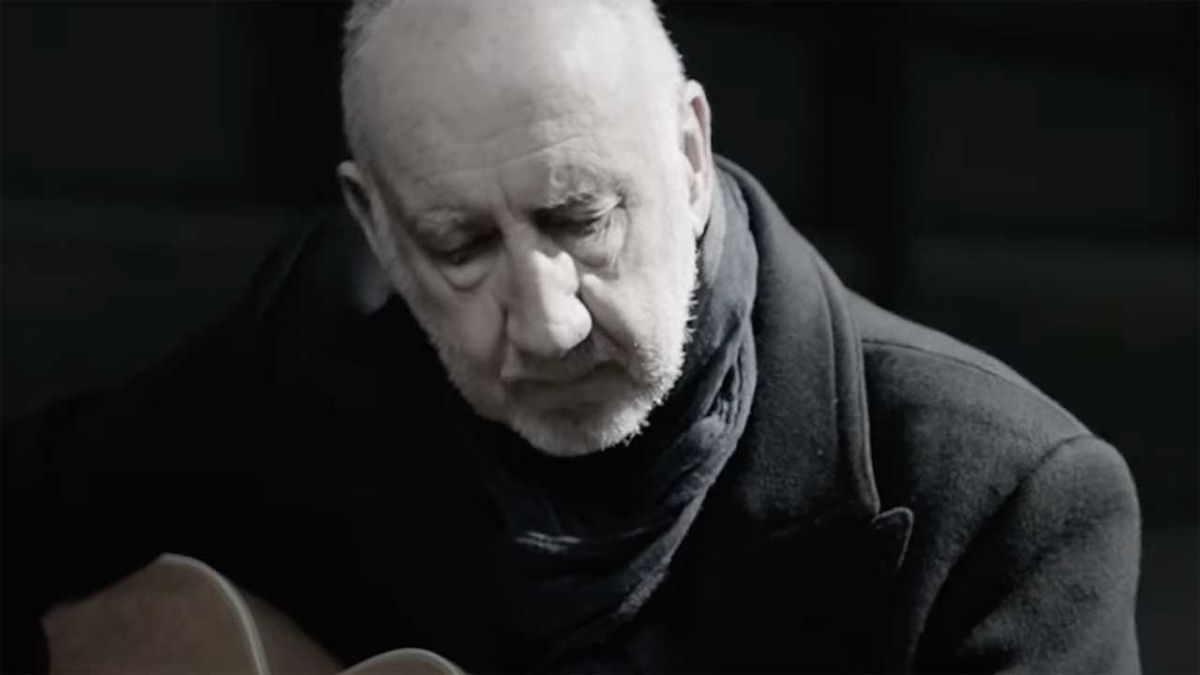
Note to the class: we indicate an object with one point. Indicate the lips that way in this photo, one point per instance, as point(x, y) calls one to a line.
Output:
point(556, 379)
point(566, 389)
point(551, 374)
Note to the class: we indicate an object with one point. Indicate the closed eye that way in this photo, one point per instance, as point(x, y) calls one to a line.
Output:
point(577, 222)
point(466, 252)
point(590, 226)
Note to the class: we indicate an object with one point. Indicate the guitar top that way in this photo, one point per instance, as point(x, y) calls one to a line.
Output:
point(178, 615)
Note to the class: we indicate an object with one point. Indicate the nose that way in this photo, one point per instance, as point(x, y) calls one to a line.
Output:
point(546, 318)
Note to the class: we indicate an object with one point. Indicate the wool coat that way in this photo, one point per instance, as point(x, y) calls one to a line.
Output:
point(898, 501)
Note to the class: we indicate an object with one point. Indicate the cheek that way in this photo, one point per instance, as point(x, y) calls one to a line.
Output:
point(472, 325)
point(479, 327)
point(656, 246)
point(644, 296)
point(469, 323)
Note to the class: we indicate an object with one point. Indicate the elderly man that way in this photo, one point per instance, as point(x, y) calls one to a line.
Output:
point(617, 414)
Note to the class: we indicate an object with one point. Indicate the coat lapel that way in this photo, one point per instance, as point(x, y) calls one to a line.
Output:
point(790, 563)
point(805, 455)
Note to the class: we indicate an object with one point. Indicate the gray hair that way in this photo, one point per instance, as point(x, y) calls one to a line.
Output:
point(363, 13)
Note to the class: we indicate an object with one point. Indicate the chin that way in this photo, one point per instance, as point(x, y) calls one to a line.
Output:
point(568, 432)
point(575, 434)
point(592, 424)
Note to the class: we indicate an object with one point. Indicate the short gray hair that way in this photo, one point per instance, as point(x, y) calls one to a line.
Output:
point(363, 13)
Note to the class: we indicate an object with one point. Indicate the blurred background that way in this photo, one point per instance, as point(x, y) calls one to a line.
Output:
point(1020, 175)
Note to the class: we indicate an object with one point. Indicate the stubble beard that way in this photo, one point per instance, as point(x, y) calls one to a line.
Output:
point(652, 369)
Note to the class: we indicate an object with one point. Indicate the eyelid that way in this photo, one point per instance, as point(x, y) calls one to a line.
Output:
point(572, 218)
point(597, 222)
point(604, 206)
point(608, 212)
point(466, 251)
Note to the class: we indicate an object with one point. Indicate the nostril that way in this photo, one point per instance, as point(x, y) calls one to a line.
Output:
point(566, 335)
point(552, 332)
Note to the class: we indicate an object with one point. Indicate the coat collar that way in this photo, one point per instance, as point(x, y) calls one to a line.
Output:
point(792, 528)
point(805, 454)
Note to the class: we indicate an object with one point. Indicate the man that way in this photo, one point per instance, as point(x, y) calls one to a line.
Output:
point(618, 414)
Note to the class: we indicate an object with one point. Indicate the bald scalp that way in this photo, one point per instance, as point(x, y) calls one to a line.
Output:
point(439, 44)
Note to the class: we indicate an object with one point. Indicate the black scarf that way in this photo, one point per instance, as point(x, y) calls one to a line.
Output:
point(578, 545)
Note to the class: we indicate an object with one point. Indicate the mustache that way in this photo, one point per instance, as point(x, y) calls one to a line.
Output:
point(584, 358)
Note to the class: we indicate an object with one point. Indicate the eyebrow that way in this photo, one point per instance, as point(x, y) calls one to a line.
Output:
point(577, 203)
point(583, 190)
point(583, 187)
point(444, 227)
point(434, 221)
point(428, 222)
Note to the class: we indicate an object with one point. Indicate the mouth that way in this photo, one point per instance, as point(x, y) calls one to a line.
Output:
point(557, 379)
point(568, 389)
point(566, 371)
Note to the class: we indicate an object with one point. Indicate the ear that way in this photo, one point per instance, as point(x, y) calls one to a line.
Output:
point(357, 192)
point(696, 131)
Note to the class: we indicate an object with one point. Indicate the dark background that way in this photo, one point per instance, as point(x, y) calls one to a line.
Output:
point(1022, 176)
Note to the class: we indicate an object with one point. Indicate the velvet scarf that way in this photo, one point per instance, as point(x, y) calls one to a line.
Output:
point(578, 545)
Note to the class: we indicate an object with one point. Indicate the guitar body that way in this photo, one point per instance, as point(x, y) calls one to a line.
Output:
point(178, 615)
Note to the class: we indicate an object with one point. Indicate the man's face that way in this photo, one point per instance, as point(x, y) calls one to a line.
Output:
point(536, 219)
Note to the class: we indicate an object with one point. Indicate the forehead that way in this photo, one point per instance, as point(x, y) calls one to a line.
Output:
point(574, 171)
point(489, 90)
point(538, 153)
point(494, 132)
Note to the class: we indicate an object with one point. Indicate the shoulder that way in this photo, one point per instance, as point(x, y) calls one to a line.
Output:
point(958, 434)
point(953, 394)
point(1026, 524)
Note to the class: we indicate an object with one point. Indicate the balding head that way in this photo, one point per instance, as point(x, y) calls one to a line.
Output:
point(533, 175)
point(457, 44)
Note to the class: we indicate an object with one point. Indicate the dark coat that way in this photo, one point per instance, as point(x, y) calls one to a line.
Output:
point(899, 501)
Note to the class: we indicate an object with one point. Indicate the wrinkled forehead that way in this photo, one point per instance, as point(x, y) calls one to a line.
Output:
point(557, 178)
point(452, 83)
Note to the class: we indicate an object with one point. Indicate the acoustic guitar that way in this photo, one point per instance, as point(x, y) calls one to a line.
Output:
point(178, 615)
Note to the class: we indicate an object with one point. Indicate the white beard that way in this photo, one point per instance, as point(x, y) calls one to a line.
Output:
point(652, 367)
